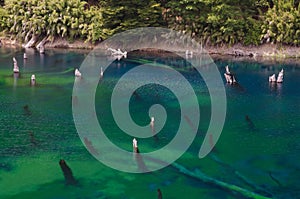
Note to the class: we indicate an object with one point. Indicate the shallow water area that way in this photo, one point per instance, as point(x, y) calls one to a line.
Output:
point(37, 130)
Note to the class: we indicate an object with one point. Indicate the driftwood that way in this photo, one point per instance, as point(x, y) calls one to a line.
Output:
point(226, 186)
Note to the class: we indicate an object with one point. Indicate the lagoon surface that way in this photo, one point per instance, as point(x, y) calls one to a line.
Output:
point(263, 153)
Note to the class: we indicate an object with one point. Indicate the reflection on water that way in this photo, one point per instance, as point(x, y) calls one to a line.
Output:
point(16, 76)
point(260, 139)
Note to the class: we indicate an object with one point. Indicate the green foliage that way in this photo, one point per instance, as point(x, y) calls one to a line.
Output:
point(282, 23)
point(189, 16)
point(3, 14)
point(214, 22)
point(217, 22)
point(128, 14)
point(94, 29)
point(253, 29)
point(226, 24)
point(63, 18)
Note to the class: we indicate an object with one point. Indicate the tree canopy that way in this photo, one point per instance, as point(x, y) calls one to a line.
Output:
point(213, 22)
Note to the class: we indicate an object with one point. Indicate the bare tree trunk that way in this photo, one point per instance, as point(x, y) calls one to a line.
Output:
point(42, 43)
point(32, 41)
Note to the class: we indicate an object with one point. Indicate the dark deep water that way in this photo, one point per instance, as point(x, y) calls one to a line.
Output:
point(34, 139)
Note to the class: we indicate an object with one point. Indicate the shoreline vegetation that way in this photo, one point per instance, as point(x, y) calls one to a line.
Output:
point(265, 52)
point(254, 28)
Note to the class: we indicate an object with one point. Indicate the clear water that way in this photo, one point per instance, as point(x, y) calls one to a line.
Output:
point(33, 140)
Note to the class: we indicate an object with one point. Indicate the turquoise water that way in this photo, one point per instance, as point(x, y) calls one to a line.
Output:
point(33, 140)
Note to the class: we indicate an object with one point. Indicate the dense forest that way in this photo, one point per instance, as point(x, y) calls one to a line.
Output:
point(212, 22)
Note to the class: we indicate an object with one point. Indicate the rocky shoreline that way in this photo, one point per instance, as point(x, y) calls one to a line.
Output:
point(238, 51)
point(264, 50)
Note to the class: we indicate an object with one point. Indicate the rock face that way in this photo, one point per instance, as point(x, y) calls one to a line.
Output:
point(69, 178)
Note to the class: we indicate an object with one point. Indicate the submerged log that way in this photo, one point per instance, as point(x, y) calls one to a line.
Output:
point(274, 179)
point(69, 178)
point(243, 178)
point(27, 110)
point(32, 138)
point(159, 194)
point(229, 187)
point(251, 125)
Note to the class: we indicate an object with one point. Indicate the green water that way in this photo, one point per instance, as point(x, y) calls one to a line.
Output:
point(34, 140)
